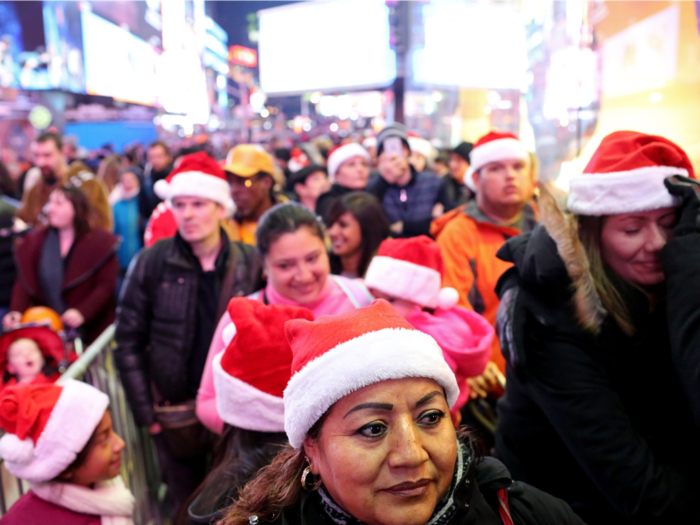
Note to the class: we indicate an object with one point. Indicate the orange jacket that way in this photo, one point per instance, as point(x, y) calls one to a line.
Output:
point(469, 249)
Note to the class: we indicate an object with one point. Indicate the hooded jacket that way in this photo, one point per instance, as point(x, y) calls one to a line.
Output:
point(469, 244)
point(605, 410)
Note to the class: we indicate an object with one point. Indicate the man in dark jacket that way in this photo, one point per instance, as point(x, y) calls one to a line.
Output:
point(173, 296)
point(457, 191)
point(410, 199)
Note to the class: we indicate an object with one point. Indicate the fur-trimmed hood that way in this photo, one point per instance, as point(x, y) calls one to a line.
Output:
point(553, 256)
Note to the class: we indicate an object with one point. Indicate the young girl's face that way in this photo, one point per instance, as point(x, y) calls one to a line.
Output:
point(103, 459)
point(24, 359)
point(402, 306)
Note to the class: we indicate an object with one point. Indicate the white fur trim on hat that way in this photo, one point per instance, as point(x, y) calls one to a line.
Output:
point(343, 153)
point(229, 333)
point(640, 189)
point(72, 422)
point(405, 280)
point(196, 184)
point(244, 406)
point(392, 353)
point(500, 149)
point(468, 179)
point(370, 142)
point(421, 146)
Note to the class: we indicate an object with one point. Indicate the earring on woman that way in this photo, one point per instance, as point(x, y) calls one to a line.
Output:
point(314, 485)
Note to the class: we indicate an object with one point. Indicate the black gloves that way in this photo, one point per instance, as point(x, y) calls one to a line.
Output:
point(688, 190)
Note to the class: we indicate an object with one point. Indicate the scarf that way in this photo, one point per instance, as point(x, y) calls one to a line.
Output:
point(110, 500)
point(51, 270)
point(444, 511)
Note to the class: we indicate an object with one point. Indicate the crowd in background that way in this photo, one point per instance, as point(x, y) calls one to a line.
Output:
point(567, 326)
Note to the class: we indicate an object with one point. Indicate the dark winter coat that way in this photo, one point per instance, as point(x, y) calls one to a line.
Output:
point(326, 200)
point(600, 421)
point(455, 192)
point(475, 498)
point(411, 204)
point(89, 278)
point(7, 262)
point(157, 319)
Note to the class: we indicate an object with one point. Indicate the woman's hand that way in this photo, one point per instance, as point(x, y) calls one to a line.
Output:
point(11, 320)
point(73, 318)
point(480, 386)
point(689, 192)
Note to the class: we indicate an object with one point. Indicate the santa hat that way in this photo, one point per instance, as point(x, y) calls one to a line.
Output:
point(337, 355)
point(298, 160)
point(626, 174)
point(492, 147)
point(411, 269)
point(420, 145)
point(370, 142)
point(342, 153)
point(198, 175)
point(252, 373)
point(47, 426)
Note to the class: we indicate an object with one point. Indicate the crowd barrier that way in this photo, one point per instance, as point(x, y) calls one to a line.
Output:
point(139, 460)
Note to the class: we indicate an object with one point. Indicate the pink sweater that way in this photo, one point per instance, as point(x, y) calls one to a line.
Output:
point(465, 338)
point(339, 295)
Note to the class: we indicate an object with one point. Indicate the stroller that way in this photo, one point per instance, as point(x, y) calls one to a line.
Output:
point(57, 352)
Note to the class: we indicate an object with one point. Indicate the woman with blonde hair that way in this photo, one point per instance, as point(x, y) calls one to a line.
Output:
point(599, 302)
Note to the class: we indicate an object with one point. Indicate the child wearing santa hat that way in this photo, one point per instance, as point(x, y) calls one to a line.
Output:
point(60, 439)
point(408, 273)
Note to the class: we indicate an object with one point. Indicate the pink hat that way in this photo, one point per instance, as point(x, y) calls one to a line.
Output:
point(47, 426)
point(411, 269)
point(198, 175)
point(251, 374)
point(337, 355)
point(626, 174)
point(492, 147)
point(343, 153)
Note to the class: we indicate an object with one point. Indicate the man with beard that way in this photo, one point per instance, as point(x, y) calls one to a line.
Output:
point(56, 173)
point(249, 172)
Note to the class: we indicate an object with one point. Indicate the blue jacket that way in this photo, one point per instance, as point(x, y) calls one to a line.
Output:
point(126, 226)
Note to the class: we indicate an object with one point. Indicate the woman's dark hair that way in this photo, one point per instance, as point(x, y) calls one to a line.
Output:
point(81, 205)
point(284, 218)
point(374, 226)
point(239, 455)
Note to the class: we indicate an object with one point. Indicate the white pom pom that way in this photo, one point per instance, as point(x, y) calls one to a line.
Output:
point(229, 333)
point(162, 189)
point(468, 179)
point(447, 298)
point(13, 450)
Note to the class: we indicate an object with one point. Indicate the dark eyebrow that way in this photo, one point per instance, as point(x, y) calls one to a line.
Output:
point(375, 406)
point(427, 398)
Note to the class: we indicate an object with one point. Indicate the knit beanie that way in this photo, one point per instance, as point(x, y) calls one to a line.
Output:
point(392, 130)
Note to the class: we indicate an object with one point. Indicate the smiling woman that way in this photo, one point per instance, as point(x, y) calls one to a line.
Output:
point(367, 415)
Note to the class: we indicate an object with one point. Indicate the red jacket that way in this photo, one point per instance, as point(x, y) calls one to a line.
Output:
point(32, 510)
point(89, 280)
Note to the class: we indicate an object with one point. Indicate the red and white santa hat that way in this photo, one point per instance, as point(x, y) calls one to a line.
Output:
point(252, 373)
point(337, 355)
point(411, 269)
point(198, 175)
point(626, 174)
point(492, 147)
point(47, 426)
point(342, 153)
point(420, 145)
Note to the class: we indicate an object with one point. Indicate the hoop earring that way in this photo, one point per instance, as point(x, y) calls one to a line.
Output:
point(315, 485)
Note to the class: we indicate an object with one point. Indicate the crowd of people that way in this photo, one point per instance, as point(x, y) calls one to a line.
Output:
point(368, 332)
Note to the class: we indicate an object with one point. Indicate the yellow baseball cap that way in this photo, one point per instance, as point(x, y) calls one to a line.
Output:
point(245, 160)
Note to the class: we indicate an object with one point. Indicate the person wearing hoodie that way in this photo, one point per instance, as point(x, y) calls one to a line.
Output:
point(470, 235)
point(592, 315)
point(407, 273)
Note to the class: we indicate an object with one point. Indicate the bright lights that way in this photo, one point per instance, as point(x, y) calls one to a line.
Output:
point(437, 96)
point(267, 126)
point(315, 97)
point(306, 126)
point(264, 113)
point(655, 98)
point(221, 82)
point(334, 127)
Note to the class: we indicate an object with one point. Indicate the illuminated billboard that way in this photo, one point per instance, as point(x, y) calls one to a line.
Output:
point(325, 45)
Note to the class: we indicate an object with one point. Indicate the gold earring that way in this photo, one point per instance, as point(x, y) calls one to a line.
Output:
point(315, 485)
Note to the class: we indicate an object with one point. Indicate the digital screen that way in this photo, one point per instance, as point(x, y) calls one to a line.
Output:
point(472, 46)
point(325, 45)
point(117, 63)
point(141, 19)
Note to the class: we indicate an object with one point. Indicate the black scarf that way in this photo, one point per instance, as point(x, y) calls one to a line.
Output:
point(51, 270)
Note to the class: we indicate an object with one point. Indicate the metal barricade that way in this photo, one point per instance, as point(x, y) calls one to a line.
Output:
point(139, 466)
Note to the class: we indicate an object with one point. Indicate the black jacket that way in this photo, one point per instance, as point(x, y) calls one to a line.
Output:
point(326, 200)
point(476, 500)
point(600, 421)
point(156, 319)
point(456, 193)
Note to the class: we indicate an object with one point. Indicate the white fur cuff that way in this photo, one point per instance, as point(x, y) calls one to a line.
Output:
point(405, 280)
point(501, 149)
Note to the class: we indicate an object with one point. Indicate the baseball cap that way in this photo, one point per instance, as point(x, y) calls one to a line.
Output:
point(246, 160)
